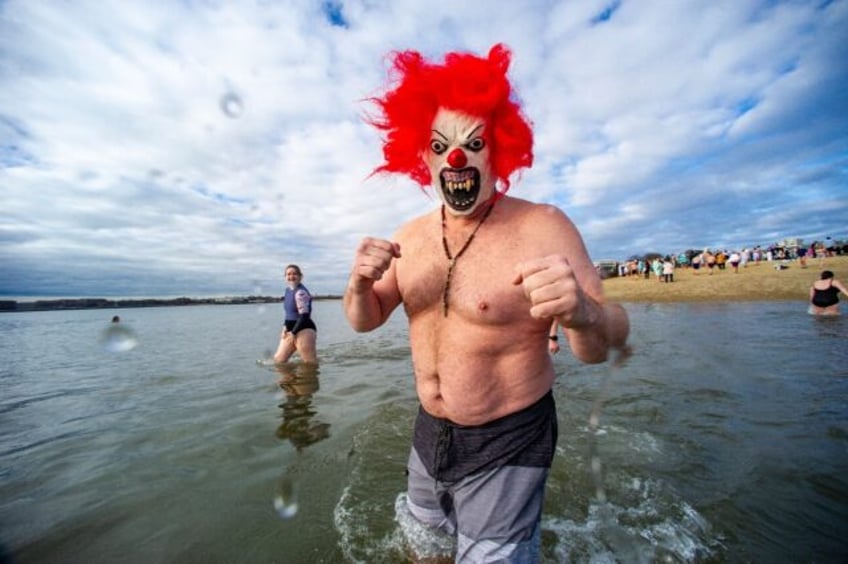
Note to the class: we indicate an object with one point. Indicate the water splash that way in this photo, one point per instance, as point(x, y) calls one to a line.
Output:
point(423, 541)
point(616, 538)
point(621, 356)
point(655, 526)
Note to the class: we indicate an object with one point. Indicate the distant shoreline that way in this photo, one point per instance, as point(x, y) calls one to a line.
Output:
point(124, 303)
point(757, 282)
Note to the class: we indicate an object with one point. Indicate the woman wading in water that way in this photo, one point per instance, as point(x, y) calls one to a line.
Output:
point(299, 333)
point(824, 298)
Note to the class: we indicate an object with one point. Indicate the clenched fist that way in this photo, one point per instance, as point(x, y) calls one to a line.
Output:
point(551, 287)
point(372, 259)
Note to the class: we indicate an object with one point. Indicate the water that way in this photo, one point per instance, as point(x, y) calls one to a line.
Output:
point(724, 438)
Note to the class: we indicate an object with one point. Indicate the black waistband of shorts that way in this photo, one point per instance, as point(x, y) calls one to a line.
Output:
point(451, 451)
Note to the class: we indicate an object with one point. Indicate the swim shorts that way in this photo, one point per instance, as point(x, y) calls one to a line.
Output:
point(307, 324)
point(485, 483)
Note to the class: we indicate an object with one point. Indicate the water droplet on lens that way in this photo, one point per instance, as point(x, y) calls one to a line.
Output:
point(285, 502)
point(118, 338)
point(257, 291)
point(257, 287)
point(231, 105)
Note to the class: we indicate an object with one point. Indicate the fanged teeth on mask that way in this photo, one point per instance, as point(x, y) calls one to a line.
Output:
point(454, 186)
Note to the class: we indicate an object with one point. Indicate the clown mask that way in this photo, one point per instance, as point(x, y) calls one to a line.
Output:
point(458, 159)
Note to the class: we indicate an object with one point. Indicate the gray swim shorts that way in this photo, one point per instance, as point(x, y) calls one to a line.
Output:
point(484, 484)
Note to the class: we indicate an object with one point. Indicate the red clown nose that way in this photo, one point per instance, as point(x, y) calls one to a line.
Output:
point(457, 158)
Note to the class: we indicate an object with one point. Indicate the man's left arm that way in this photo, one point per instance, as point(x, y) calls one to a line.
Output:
point(604, 326)
point(566, 287)
point(556, 291)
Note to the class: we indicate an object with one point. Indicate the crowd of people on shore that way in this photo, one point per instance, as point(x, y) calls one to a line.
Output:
point(708, 261)
point(823, 292)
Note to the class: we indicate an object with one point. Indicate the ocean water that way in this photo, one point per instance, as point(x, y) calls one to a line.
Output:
point(723, 438)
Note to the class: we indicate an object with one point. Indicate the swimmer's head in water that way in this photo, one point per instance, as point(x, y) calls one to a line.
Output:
point(468, 100)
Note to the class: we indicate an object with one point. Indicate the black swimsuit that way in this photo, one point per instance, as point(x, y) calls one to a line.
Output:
point(826, 297)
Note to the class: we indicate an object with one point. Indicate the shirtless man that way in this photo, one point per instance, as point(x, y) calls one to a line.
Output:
point(481, 280)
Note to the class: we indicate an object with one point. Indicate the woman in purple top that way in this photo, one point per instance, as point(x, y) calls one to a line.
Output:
point(299, 333)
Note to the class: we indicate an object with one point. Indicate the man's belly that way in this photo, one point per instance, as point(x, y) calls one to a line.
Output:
point(475, 399)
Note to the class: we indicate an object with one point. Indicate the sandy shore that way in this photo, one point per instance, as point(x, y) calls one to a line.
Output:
point(754, 283)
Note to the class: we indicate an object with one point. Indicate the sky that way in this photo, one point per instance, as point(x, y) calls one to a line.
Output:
point(195, 148)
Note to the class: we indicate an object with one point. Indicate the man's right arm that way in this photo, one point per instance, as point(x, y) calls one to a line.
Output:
point(372, 292)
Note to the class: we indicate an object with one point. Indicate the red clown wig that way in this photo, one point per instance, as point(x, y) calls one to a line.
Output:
point(465, 83)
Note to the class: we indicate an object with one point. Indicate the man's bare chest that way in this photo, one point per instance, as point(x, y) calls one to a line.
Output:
point(478, 282)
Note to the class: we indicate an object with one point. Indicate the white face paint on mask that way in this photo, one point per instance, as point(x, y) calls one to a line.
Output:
point(458, 158)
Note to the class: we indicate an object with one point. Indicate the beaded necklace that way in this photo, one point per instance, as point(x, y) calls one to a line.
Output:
point(452, 259)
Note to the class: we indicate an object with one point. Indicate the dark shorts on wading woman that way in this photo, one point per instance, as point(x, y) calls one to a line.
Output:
point(305, 324)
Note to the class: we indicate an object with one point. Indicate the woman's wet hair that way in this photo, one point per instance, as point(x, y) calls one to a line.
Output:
point(826, 274)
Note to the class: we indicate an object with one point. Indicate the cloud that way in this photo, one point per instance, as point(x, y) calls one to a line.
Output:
point(197, 148)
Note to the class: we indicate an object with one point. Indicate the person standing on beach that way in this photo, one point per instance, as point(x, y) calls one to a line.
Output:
point(802, 256)
point(821, 253)
point(708, 259)
point(734, 261)
point(481, 279)
point(657, 268)
point(299, 331)
point(696, 263)
point(668, 269)
point(824, 294)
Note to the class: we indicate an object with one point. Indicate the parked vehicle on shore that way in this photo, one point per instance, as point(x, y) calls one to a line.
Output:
point(606, 268)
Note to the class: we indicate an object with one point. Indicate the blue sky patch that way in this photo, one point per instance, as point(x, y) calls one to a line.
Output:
point(333, 13)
